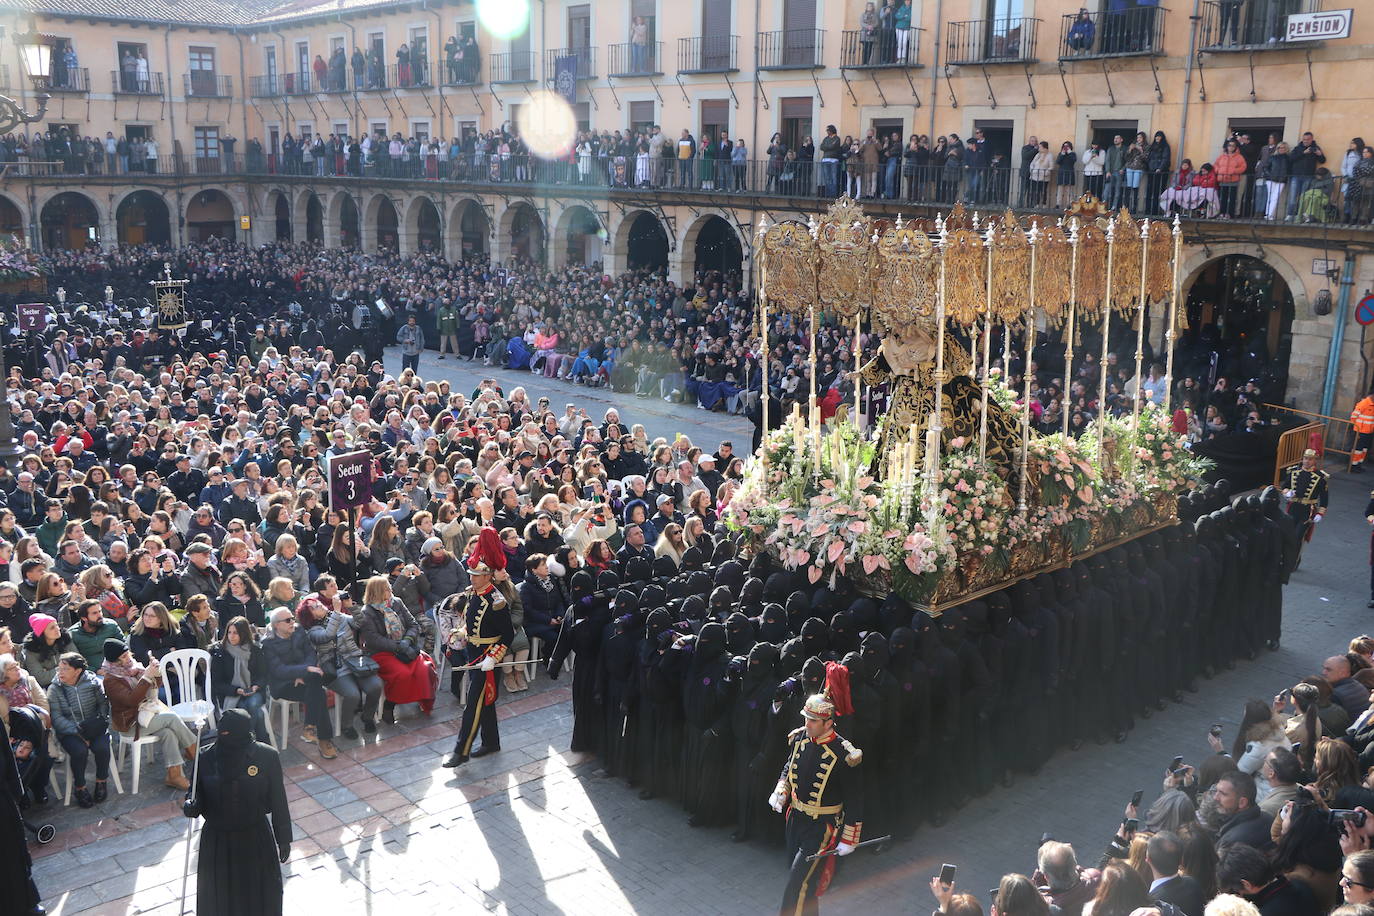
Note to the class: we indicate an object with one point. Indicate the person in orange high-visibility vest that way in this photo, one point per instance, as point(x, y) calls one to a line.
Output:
point(1362, 418)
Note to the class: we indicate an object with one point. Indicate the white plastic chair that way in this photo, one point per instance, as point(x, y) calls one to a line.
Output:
point(288, 708)
point(124, 742)
point(66, 793)
point(189, 701)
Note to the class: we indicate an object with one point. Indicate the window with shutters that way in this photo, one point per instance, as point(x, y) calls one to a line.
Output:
point(520, 61)
point(582, 113)
point(715, 117)
point(799, 37)
point(794, 116)
point(579, 26)
point(641, 116)
point(715, 35)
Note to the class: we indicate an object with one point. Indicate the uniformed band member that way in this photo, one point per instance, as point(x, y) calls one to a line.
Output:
point(820, 788)
point(238, 789)
point(1306, 489)
point(489, 636)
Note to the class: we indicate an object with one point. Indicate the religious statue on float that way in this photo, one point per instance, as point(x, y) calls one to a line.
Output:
point(907, 364)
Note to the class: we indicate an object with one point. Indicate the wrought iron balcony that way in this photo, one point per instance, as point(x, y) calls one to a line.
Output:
point(791, 49)
point(708, 54)
point(1129, 33)
point(512, 67)
point(629, 59)
point(880, 48)
point(992, 41)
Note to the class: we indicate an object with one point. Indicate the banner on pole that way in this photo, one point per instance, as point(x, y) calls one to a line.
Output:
point(33, 317)
point(565, 78)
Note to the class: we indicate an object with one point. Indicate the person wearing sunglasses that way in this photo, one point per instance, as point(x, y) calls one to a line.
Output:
point(1357, 877)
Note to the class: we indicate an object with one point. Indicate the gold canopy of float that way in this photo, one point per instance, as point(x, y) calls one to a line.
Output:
point(966, 272)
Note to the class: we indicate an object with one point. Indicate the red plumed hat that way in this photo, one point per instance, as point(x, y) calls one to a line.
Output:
point(1314, 442)
point(488, 551)
point(1180, 423)
point(837, 688)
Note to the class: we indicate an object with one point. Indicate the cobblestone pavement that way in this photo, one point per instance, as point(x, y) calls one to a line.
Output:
point(536, 829)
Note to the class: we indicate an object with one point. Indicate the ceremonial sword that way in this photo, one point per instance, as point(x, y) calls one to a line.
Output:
point(835, 851)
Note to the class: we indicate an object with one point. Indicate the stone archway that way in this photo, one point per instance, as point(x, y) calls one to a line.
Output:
point(423, 229)
point(384, 223)
point(210, 214)
point(314, 217)
point(70, 220)
point(710, 243)
point(579, 237)
point(523, 234)
point(13, 222)
point(641, 242)
point(141, 218)
point(1241, 308)
point(280, 208)
point(343, 223)
point(469, 231)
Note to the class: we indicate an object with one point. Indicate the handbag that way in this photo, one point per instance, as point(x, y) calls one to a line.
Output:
point(361, 666)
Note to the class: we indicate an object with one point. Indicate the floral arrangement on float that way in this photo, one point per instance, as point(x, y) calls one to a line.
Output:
point(16, 263)
point(816, 504)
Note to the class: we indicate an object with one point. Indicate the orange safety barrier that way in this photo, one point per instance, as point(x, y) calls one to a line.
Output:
point(1292, 443)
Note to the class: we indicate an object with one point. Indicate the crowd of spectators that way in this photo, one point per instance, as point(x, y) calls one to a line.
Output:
point(1278, 821)
point(170, 498)
point(1250, 177)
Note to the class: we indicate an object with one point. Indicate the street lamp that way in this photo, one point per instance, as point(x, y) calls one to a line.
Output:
point(36, 57)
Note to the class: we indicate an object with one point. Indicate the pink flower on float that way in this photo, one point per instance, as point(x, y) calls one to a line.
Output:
point(834, 551)
point(957, 443)
point(863, 483)
point(857, 526)
point(814, 573)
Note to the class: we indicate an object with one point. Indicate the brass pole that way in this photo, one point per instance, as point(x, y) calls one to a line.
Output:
point(1069, 325)
point(858, 352)
point(1173, 311)
point(1032, 236)
point(1140, 329)
point(1106, 334)
point(988, 239)
point(936, 426)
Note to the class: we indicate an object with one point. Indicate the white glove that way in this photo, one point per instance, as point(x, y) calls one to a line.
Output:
point(777, 799)
point(844, 849)
point(1316, 518)
point(488, 663)
point(1288, 494)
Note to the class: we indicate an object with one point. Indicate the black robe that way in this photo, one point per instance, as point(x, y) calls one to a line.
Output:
point(16, 868)
point(246, 819)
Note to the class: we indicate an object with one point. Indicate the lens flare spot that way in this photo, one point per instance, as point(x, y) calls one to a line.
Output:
point(548, 126)
point(504, 18)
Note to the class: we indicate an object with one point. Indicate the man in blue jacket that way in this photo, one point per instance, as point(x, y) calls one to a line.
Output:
point(293, 673)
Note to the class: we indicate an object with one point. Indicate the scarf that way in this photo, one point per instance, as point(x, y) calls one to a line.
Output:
point(241, 655)
point(129, 675)
point(18, 695)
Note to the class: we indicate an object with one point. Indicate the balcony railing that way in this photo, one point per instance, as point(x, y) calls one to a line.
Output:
point(70, 79)
point(1127, 33)
point(1253, 26)
point(864, 50)
point(629, 59)
point(792, 49)
point(461, 72)
point(584, 62)
point(126, 82)
point(992, 41)
point(1310, 201)
point(708, 54)
point(512, 67)
point(264, 87)
point(206, 84)
point(418, 74)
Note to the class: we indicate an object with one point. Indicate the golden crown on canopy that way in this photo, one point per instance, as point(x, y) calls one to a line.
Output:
point(789, 261)
point(847, 263)
point(844, 240)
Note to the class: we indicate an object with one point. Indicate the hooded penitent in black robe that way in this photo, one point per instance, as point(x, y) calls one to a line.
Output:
point(240, 793)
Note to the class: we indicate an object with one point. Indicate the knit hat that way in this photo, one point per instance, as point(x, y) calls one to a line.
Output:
point(430, 545)
point(114, 649)
point(39, 622)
